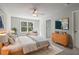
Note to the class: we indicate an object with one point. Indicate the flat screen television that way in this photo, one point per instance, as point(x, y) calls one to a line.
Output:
point(1, 23)
point(58, 25)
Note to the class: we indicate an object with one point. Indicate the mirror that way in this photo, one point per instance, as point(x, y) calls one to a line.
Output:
point(65, 23)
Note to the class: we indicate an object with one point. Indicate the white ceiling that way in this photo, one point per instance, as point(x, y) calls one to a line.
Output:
point(25, 9)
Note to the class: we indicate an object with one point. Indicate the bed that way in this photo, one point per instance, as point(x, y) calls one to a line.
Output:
point(24, 45)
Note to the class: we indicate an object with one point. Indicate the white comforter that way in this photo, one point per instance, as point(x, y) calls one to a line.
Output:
point(27, 44)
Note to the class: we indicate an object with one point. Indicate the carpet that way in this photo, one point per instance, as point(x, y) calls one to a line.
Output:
point(52, 50)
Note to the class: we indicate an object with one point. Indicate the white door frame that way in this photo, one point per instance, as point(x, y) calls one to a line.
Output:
point(73, 28)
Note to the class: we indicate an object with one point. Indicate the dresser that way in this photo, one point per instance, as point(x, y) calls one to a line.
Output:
point(60, 38)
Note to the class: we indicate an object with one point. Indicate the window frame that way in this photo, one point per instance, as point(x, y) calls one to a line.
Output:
point(27, 25)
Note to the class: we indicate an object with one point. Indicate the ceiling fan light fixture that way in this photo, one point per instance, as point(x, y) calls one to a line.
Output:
point(35, 11)
point(34, 14)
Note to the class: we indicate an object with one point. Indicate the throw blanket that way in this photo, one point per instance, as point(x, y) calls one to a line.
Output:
point(40, 41)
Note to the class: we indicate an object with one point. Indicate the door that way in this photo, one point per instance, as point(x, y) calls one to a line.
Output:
point(76, 30)
point(48, 28)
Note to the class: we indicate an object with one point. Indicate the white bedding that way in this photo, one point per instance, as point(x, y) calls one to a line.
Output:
point(27, 43)
point(40, 41)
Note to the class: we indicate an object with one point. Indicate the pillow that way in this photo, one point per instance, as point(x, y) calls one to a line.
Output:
point(11, 40)
point(12, 35)
point(33, 33)
point(6, 43)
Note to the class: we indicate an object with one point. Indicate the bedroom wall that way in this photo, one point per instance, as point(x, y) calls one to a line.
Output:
point(6, 19)
point(15, 22)
point(39, 25)
point(59, 15)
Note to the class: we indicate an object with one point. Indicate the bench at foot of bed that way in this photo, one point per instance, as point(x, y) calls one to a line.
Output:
point(5, 52)
point(19, 51)
point(13, 52)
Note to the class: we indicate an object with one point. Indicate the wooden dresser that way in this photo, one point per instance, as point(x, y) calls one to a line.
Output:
point(61, 38)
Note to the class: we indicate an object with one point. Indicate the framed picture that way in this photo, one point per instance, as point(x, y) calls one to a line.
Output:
point(65, 23)
point(58, 25)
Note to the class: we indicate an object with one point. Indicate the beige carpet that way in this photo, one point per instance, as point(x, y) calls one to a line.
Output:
point(52, 50)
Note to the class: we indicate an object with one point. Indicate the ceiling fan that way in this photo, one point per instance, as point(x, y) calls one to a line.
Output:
point(35, 12)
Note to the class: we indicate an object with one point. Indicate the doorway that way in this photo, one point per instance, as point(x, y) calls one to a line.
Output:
point(48, 28)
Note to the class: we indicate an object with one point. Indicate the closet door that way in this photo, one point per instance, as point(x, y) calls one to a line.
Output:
point(48, 28)
point(76, 30)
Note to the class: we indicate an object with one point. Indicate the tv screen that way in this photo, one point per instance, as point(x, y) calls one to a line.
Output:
point(58, 24)
point(1, 23)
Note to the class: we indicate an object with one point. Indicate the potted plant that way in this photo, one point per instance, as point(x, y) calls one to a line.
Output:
point(15, 30)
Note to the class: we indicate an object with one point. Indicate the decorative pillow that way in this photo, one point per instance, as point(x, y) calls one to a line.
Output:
point(12, 35)
point(11, 40)
point(33, 33)
point(6, 43)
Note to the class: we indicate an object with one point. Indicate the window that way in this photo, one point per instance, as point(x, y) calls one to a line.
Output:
point(30, 26)
point(26, 26)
